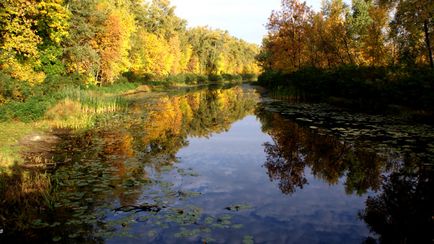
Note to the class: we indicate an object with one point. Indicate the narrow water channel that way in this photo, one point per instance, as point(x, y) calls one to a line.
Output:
point(229, 165)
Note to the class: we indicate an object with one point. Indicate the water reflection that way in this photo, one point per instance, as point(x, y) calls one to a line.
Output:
point(111, 166)
point(296, 147)
point(134, 178)
point(403, 209)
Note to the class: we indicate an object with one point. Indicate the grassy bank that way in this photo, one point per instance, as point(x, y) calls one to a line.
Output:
point(189, 79)
point(366, 88)
point(12, 132)
point(69, 106)
point(64, 102)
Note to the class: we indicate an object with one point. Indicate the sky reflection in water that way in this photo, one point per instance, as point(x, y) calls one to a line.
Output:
point(221, 165)
point(231, 169)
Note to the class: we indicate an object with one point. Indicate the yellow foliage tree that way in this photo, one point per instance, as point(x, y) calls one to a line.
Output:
point(114, 43)
point(157, 56)
point(26, 25)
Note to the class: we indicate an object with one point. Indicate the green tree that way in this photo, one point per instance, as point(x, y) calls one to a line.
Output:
point(411, 29)
point(81, 55)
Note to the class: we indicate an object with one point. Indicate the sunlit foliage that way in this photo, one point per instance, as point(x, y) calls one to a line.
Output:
point(28, 30)
point(100, 40)
point(367, 33)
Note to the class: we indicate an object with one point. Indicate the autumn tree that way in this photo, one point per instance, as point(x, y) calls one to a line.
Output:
point(287, 35)
point(31, 30)
point(114, 41)
point(411, 29)
point(358, 35)
point(377, 51)
point(216, 52)
point(100, 40)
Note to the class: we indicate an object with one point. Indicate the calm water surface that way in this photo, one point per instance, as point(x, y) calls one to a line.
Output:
point(229, 165)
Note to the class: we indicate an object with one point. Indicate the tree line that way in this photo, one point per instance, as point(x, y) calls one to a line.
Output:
point(369, 55)
point(97, 41)
point(366, 33)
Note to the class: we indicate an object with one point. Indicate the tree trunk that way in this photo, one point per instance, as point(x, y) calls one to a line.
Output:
point(428, 43)
point(347, 49)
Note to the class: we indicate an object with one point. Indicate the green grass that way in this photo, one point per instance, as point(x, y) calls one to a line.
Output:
point(12, 132)
point(34, 107)
point(81, 112)
point(115, 89)
point(69, 107)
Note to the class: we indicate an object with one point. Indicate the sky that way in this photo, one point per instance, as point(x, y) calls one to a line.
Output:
point(244, 19)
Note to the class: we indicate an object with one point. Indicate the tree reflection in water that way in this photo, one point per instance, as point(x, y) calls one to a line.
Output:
point(111, 166)
point(114, 166)
point(288, 171)
point(296, 147)
point(403, 209)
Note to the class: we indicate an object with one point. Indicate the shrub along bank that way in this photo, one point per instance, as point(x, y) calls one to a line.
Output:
point(367, 88)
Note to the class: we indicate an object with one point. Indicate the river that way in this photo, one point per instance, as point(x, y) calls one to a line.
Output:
point(232, 165)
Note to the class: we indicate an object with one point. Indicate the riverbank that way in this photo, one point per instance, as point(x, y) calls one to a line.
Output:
point(70, 107)
point(66, 106)
point(367, 89)
point(149, 132)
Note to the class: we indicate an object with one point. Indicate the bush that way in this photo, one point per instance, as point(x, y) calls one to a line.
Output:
point(369, 87)
point(12, 89)
point(31, 110)
point(201, 79)
point(215, 78)
point(229, 77)
point(179, 79)
point(249, 77)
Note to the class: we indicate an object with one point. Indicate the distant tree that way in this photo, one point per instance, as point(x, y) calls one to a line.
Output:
point(99, 40)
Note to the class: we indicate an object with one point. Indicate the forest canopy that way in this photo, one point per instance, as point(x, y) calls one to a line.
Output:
point(365, 33)
point(99, 40)
point(370, 55)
